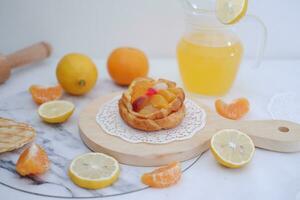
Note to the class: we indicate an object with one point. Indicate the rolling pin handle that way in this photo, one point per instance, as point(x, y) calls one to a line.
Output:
point(34, 53)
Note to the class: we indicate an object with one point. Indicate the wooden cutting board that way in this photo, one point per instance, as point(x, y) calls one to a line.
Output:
point(274, 135)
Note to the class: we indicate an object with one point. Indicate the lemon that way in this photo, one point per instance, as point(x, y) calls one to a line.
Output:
point(232, 148)
point(76, 73)
point(56, 111)
point(231, 11)
point(94, 170)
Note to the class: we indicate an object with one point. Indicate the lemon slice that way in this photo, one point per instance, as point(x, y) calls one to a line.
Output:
point(56, 111)
point(94, 170)
point(231, 11)
point(232, 148)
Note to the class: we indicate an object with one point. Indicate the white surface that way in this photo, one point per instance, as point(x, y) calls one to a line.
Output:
point(285, 106)
point(270, 175)
point(95, 27)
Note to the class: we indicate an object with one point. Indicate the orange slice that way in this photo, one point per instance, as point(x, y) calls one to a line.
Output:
point(32, 161)
point(234, 110)
point(42, 94)
point(164, 176)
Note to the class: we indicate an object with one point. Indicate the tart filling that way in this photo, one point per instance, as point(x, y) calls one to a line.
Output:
point(148, 99)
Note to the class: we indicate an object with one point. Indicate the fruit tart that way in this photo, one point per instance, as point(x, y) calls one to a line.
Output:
point(152, 105)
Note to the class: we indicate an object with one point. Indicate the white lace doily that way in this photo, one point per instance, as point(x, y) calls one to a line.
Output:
point(285, 106)
point(109, 119)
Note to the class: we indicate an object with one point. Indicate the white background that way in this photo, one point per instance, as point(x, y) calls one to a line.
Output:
point(95, 27)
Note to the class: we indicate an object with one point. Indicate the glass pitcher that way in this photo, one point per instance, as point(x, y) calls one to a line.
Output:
point(209, 53)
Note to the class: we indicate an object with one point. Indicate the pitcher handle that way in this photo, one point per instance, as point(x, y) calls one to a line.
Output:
point(262, 44)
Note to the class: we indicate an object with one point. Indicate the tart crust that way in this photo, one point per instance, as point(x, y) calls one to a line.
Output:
point(164, 118)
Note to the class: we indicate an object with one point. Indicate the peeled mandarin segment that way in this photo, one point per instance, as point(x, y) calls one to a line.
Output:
point(42, 94)
point(169, 96)
point(164, 176)
point(235, 110)
point(32, 161)
point(158, 101)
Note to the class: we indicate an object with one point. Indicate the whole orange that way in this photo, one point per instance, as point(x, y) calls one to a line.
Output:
point(125, 64)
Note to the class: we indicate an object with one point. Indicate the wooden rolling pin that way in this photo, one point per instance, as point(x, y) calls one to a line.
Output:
point(28, 55)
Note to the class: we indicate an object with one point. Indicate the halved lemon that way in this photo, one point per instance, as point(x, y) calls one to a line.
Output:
point(56, 111)
point(94, 170)
point(231, 11)
point(232, 148)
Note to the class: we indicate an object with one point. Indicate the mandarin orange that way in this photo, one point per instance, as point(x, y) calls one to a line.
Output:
point(125, 64)
point(33, 161)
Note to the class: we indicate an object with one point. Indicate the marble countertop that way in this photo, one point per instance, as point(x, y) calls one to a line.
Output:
point(270, 175)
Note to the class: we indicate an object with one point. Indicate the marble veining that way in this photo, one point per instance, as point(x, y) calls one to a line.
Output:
point(62, 143)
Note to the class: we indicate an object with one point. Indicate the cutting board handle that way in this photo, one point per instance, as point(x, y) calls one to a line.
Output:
point(30, 54)
point(274, 135)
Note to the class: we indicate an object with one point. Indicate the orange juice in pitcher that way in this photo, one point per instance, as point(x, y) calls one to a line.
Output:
point(209, 53)
point(209, 61)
